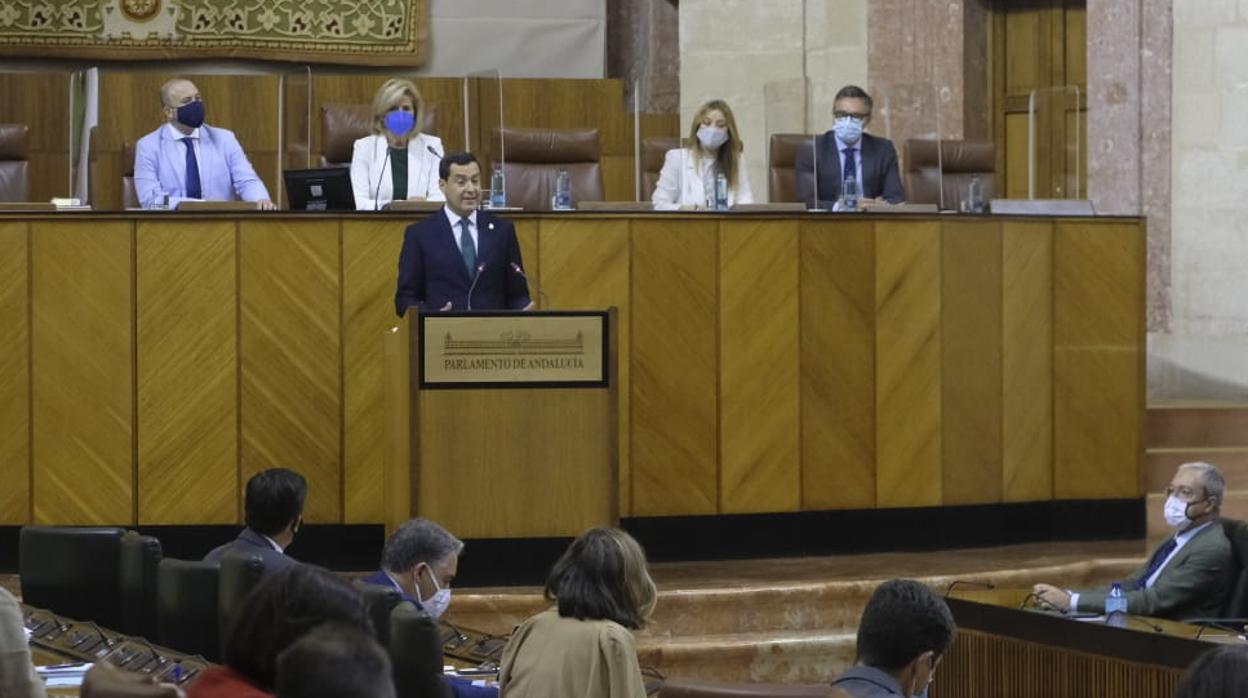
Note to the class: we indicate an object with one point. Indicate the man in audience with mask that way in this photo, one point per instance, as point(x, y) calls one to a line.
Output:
point(846, 151)
point(902, 636)
point(273, 511)
point(185, 159)
point(1190, 574)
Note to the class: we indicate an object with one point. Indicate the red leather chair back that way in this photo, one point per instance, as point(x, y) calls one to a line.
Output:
point(14, 163)
point(533, 158)
point(781, 174)
point(653, 150)
point(129, 198)
point(961, 161)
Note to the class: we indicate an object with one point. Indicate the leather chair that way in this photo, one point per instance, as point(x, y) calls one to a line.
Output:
point(781, 174)
point(695, 688)
point(533, 158)
point(416, 653)
point(1237, 600)
point(72, 571)
point(140, 560)
point(960, 161)
point(129, 197)
point(380, 601)
point(241, 572)
point(14, 163)
point(343, 124)
point(186, 607)
point(653, 151)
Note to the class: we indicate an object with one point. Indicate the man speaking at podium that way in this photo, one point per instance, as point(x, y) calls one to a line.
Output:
point(461, 258)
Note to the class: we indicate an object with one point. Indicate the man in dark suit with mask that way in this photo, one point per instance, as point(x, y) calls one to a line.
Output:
point(461, 258)
point(273, 511)
point(847, 151)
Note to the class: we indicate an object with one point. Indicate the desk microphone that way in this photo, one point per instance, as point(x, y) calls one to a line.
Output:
point(1151, 626)
point(1206, 623)
point(968, 583)
point(538, 287)
point(1033, 596)
point(381, 178)
point(436, 154)
point(476, 277)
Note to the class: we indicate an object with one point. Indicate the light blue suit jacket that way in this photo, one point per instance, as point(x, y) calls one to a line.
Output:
point(224, 172)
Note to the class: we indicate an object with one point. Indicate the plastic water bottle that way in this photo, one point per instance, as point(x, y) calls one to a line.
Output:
point(563, 191)
point(975, 196)
point(1116, 606)
point(721, 192)
point(850, 197)
point(498, 188)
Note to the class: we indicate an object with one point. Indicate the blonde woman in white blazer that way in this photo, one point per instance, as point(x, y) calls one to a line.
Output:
point(396, 147)
point(687, 180)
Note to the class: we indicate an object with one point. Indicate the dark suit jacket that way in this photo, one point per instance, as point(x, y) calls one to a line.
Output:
point(251, 542)
point(1194, 584)
point(881, 177)
point(432, 272)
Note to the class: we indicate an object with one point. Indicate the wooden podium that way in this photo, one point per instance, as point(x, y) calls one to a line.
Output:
point(503, 424)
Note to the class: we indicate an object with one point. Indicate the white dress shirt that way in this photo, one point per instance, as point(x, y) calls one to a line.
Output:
point(455, 218)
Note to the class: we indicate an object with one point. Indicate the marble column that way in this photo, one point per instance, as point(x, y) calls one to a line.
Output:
point(643, 50)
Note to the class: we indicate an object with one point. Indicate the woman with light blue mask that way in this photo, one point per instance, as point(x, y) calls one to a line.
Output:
point(397, 161)
point(713, 151)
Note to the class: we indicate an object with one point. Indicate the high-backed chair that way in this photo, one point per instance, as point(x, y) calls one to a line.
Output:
point(695, 688)
point(1237, 600)
point(532, 159)
point(380, 601)
point(343, 124)
point(416, 653)
point(653, 151)
point(186, 607)
point(781, 174)
point(14, 163)
point(129, 197)
point(140, 561)
point(960, 161)
point(241, 572)
point(72, 571)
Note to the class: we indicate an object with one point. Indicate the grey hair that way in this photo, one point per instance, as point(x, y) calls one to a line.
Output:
point(1210, 478)
point(417, 541)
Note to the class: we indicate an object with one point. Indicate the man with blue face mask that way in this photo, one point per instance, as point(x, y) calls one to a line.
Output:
point(1187, 576)
point(848, 151)
point(186, 159)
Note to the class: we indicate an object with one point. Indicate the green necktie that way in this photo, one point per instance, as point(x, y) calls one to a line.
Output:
point(466, 247)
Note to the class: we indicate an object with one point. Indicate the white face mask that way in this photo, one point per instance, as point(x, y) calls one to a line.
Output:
point(437, 604)
point(1176, 512)
point(711, 137)
point(848, 129)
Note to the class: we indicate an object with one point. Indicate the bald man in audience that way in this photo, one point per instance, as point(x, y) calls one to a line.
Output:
point(187, 160)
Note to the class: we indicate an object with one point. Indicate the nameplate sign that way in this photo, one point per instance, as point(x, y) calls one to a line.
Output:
point(514, 350)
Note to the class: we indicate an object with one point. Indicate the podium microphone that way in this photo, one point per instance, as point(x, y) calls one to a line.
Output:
point(436, 154)
point(968, 583)
point(475, 278)
point(538, 287)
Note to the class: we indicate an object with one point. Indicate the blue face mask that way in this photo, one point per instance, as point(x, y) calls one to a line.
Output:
point(400, 122)
point(191, 114)
point(848, 129)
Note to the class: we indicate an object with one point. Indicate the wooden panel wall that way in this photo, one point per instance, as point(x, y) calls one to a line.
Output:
point(767, 363)
point(41, 101)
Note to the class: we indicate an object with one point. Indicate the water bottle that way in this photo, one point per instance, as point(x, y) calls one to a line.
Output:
point(1116, 606)
point(563, 191)
point(721, 192)
point(850, 198)
point(498, 188)
point(975, 196)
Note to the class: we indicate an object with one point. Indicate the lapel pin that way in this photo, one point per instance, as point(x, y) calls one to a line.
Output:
point(491, 226)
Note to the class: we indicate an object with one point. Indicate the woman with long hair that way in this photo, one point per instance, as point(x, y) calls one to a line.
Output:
point(396, 161)
point(689, 173)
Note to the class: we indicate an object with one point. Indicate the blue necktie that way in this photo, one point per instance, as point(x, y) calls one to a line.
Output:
point(193, 188)
point(1155, 563)
point(466, 247)
point(851, 166)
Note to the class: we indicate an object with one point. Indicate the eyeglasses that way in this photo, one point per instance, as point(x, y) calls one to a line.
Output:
point(1184, 492)
point(852, 115)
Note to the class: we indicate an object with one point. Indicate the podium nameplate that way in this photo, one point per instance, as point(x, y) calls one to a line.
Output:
point(514, 350)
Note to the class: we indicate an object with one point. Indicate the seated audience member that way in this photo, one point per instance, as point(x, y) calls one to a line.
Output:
point(107, 681)
point(17, 670)
point(273, 512)
point(185, 159)
point(1190, 574)
point(904, 632)
point(847, 151)
point(284, 608)
point(397, 161)
point(1218, 673)
point(334, 662)
point(687, 179)
point(584, 648)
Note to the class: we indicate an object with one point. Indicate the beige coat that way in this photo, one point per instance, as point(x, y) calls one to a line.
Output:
point(554, 657)
point(17, 671)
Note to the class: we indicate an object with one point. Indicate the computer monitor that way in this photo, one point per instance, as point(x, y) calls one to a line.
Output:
point(320, 189)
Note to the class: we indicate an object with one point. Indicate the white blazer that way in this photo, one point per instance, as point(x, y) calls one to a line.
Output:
point(680, 183)
point(370, 171)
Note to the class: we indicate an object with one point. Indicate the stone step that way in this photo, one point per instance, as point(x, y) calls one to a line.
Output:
point(1160, 464)
point(1196, 425)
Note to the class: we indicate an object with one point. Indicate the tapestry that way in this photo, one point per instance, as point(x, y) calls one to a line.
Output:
point(350, 32)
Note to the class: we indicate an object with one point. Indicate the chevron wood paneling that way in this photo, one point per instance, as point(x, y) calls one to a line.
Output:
point(527, 236)
point(675, 367)
point(1098, 331)
point(187, 325)
point(838, 364)
point(970, 361)
point(587, 267)
point(759, 432)
point(14, 374)
point(1027, 361)
point(290, 328)
point(369, 253)
point(907, 363)
point(83, 372)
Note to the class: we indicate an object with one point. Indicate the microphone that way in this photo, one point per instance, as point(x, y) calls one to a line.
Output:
point(540, 293)
point(476, 277)
point(381, 178)
point(1155, 628)
point(969, 583)
point(1206, 623)
point(436, 154)
point(1032, 596)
